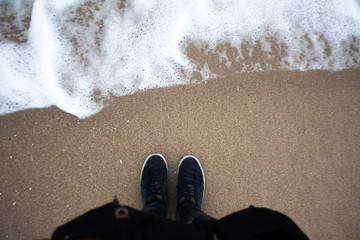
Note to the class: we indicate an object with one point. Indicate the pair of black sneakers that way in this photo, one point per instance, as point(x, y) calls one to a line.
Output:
point(154, 181)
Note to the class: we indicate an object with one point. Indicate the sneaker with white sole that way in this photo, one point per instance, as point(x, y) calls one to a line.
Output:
point(154, 180)
point(191, 181)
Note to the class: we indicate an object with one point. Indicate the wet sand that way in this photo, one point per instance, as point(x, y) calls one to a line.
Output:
point(289, 141)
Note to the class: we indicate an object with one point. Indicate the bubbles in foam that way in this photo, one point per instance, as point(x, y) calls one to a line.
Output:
point(78, 52)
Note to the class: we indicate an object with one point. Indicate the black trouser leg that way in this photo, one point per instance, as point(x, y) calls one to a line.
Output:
point(190, 212)
point(156, 209)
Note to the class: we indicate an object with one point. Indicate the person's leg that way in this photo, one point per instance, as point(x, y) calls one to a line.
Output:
point(156, 208)
point(190, 187)
point(188, 211)
point(154, 186)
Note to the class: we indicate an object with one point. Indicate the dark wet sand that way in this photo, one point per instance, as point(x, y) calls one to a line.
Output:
point(289, 141)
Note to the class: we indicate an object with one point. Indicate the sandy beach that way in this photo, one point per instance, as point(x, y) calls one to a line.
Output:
point(266, 135)
point(288, 141)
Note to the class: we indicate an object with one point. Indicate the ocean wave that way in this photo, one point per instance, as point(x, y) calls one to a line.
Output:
point(77, 54)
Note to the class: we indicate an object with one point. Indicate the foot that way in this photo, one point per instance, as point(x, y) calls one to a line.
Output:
point(191, 181)
point(154, 180)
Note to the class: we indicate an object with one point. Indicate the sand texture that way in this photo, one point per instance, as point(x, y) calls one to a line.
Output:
point(289, 141)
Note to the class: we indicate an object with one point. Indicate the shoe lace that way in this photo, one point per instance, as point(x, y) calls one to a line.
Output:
point(155, 193)
point(188, 193)
point(155, 188)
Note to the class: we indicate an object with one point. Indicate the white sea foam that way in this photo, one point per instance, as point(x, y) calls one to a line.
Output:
point(78, 52)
